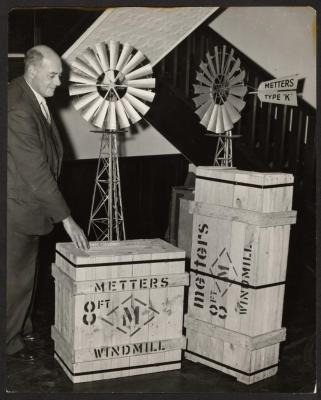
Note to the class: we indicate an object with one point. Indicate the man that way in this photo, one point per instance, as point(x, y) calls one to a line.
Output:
point(35, 203)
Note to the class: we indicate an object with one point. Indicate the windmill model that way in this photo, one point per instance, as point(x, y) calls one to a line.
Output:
point(219, 99)
point(111, 84)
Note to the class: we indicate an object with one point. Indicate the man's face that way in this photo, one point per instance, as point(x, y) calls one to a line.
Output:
point(46, 76)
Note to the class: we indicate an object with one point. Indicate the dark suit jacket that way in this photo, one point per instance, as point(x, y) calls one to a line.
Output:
point(35, 202)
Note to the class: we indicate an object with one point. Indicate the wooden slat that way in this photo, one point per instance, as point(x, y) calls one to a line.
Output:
point(267, 132)
point(188, 66)
point(236, 338)
point(262, 220)
point(253, 119)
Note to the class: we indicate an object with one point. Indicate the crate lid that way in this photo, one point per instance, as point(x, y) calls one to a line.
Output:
point(113, 252)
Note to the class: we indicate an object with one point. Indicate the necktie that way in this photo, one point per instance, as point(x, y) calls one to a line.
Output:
point(45, 111)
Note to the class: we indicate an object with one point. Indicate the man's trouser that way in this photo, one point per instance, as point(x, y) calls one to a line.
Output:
point(22, 253)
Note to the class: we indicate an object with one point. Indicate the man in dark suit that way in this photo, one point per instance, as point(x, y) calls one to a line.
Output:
point(34, 203)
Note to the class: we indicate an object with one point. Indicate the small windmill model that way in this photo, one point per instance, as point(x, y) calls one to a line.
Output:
point(219, 99)
point(111, 84)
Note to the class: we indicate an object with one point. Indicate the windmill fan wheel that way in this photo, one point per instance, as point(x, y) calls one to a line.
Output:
point(112, 85)
point(220, 91)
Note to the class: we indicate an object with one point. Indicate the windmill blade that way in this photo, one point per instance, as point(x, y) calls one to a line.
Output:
point(81, 89)
point(121, 114)
point(84, 68)
point(133, 62)
point(201, 78)
point(238, 90)
point(232, 112)
point(237, 103)
point(113, 53)
point(211, 65)
point(202, 110)
point(125, 53)
point(206, 72)
point(199, 100)
point(219, 128)
point(138, 73)
point(237, 79)
point(94, 106)
point(228, 62)
point(85, 100)
point(74, 77)
point(206, 118)
point(141, 107)
point(102, 54)
point(111, 117)
point(130, 111)
point(235, 67)
point(223, 58)
point(227, 122)
point(217, 60)
point(201, 89)
point(142, 94)
point(213, 120)
point(100, 116)
point(92, 60)
point(147, 83)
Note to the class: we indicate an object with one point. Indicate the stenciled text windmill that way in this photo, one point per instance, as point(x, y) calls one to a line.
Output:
point(219, 99)
point(112, 82)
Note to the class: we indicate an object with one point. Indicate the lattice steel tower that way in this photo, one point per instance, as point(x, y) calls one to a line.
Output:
point(224, 153)
point(106, 217)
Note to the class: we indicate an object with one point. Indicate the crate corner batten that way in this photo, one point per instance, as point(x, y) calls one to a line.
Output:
point(118, 308)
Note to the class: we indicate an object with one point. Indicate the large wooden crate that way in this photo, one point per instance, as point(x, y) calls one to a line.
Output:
point(118, 308)
point(241, 228)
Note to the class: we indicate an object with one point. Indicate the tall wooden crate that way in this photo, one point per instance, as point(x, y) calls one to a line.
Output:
point(118, 308)
point(241, 228)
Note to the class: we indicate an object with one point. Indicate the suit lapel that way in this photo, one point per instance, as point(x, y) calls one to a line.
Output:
point(33, 100)
point(51, 130)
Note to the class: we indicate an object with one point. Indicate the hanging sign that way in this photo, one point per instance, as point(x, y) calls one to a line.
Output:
point(279, 91)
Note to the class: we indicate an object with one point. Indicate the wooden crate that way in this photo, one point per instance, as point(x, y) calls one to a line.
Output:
point(238, 270)
point(185, 227)
point(119, 308)
point(178, 193)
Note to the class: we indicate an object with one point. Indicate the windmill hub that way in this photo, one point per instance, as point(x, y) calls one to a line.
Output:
point(220, 89)
point(110, 85)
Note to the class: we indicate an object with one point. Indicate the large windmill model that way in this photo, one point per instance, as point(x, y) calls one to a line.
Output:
point(219, 99)
point(111, 84)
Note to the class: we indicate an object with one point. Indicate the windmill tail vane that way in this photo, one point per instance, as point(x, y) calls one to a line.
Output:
point(279, 91)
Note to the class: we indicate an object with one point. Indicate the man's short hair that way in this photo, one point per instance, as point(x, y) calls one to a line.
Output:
point(33, 57)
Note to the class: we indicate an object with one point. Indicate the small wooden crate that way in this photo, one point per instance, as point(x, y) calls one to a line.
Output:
point(238, 271)
point(118, 308)
point(178, 193)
